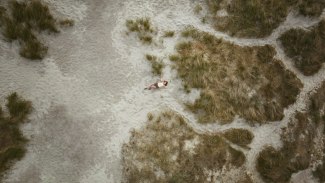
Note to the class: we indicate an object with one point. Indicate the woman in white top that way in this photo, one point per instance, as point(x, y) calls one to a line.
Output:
point(159, 84)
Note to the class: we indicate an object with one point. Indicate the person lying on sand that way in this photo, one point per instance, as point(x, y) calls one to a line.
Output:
point(159, 84)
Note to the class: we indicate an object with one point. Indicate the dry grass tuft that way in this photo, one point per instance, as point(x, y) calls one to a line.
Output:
point(169, 34)
point(306, 48)
point(168, 150)
point(244, 81)
point(298, 145)
point(143, 28)
point(257, 18)
point(12, 142)
point(156, 64)
point(23, 21)
point(241, 137)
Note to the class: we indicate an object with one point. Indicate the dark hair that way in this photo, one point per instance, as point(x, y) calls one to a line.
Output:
point(166, 83)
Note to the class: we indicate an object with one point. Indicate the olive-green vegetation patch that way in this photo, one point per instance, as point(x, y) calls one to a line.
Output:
point(156, 64)
point(241, 137)
point(249, 18)
point(23, 21)
point(169, 33)
point(311, 7)
point(234, 80)
point(143, 28)
point(257, 18)
point(12, 142)
point(306, 48)
point(167, 150)
point(298, 145)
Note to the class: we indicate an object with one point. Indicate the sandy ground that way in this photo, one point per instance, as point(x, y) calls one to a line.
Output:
point(88, 92)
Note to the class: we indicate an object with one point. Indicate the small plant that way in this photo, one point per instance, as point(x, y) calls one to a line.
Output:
point(197, 9)
point(66, 23)
point(169, 33)
point(156, 65)
point(143, 28)
point(150, 116)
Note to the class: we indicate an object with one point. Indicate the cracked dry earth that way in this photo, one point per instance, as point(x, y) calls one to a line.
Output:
point(88, 92)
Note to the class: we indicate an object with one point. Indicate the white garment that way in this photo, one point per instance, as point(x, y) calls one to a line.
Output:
point(160, 84)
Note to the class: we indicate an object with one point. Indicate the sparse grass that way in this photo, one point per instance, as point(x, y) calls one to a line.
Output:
point(298, 144)
point(156, 65)
point(234, 80)
point(23, 21)
point(164, 146)
point(143, 28)
point(12, 142)
point(257, 18)
point(169, 33)
point(241, 137)
point(306, 48)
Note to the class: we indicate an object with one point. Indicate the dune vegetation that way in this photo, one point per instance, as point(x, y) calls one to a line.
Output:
point(306, 48)
point(239, 136)
point(168, 150)
point(23, 20)
point(143, 28)
point(156, 64)
point(257, 18)
point(12, 142)
point(299, 150)
point(234, 80)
